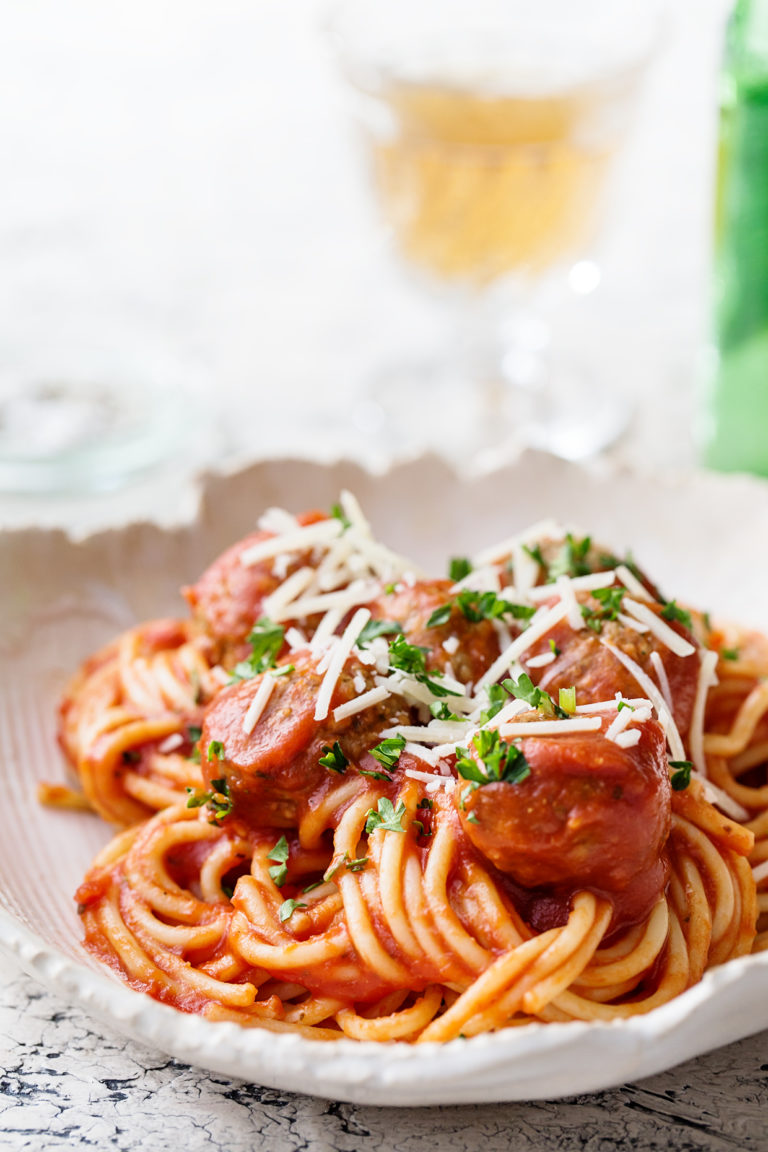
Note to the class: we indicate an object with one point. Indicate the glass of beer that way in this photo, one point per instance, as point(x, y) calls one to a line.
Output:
point(491, 128)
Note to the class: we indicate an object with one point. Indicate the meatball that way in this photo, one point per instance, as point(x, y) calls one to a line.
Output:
point(475, 647)
point(590, 814)
point(274, 769)
point(227, 599)
point(586, 664)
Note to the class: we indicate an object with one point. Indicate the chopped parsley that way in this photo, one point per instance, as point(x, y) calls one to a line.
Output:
point(388, 752)
point(426, 803)
point(571, 560)
point(412, 659)
point(681, 778)
point(496, 697)
point(266, 640)
point(287, 909)
point(671, 611)
point(458, 568)
point(524, 689)
point(215, 751)
point(407, 657)
point(440, 616)
point(441, 711)
point(356, 865)
point(609, 600)
point(535, 553)
point(337, 513)
point(218, 799)
point(477, 606)
point(283, 670)
point(386, 817)
point(498, 762)
point(333, 758)
point(567, 699)
point(554, 648)
point(279, 871)
point(625, 704)
point(729, 653)
point(376, 628)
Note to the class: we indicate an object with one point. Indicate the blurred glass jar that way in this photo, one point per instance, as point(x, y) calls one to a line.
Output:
point(734, 428)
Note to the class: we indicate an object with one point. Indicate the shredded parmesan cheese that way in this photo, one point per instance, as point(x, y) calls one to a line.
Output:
point(578, 584)
point(661, 676)
point(175, 740)
point(298, 539)
point(360, 703)
point(258, 704)
point(654, 695)
point(339, 656)
point(552, 727)
point(707, 679)
point(677, 644)
point(542, 660)
point(539, 626)
point(629, 738)
point(631, 583)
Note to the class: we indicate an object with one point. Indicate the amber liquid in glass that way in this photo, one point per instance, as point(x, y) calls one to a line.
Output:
point(479, 186)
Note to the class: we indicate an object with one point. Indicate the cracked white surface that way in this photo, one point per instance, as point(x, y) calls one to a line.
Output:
point(69, 1082)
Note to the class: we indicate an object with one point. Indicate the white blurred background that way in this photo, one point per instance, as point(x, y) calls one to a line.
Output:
point(191, 167)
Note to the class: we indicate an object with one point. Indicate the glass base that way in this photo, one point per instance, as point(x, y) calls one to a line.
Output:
point(481, 421)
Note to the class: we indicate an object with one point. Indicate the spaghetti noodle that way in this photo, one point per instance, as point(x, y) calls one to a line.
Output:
point(361, 802)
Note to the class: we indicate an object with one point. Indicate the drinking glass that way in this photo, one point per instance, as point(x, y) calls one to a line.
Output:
point(91, 395)
point(491, 128)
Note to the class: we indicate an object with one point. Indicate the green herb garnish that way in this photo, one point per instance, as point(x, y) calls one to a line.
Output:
point(287, 909)
point(524, 689)
point(440, 616)
point(441, 711)
point(280, 852)
point(567, 700)
point(218, 799)
point(215, 751)
point(478, 606)
point(497, 760)
point(376, 628)
point(458, 568)
point(671, 611)
point(571, 560)
point(610, 600)
point(412, 659)
point(681, 778)
point(266, 640)
point(333, 758)
point(386, 817)
point(388, 751)
point(496, 697)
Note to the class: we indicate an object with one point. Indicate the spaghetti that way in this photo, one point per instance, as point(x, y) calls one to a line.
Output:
point(361, 802)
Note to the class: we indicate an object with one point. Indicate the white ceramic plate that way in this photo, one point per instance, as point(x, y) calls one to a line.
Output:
point(705, 540)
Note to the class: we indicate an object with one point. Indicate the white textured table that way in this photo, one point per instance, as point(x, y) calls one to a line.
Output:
point(69, 1083)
